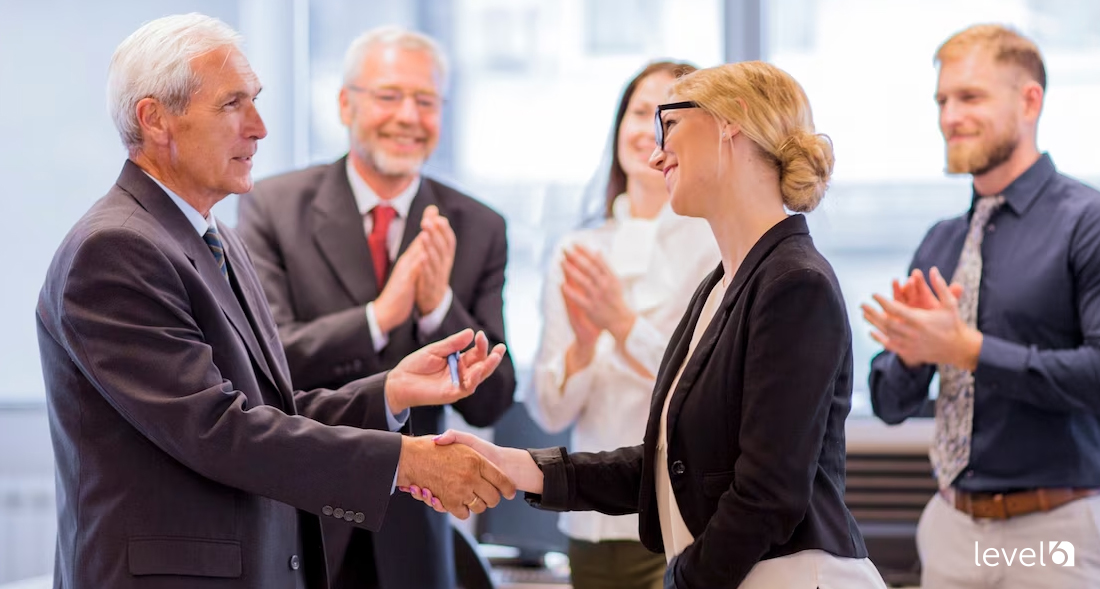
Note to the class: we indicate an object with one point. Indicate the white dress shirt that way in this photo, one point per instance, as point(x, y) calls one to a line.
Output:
point(365, 200)
point(660, 262)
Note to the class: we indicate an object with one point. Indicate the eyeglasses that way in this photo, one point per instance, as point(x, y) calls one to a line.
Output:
point(393, 98)
point(659, 123)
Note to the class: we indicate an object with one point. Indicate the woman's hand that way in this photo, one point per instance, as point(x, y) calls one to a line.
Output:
point(516, 464)
point(591, 287)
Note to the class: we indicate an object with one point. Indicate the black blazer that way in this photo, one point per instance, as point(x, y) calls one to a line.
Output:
point(306, 235)
point(184, 457)
point(755, 427)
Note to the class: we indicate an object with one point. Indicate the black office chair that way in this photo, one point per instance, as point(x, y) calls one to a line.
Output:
point(471, 568)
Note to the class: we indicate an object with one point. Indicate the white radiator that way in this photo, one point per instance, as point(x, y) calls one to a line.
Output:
point(28, 527)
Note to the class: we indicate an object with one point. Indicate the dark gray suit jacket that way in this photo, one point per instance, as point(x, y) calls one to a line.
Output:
point(184, 458)
point(306, 235)
point(755, 426)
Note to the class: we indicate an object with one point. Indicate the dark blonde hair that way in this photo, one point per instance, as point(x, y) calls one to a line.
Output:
point(772, 110)
point(616, 181)
point(1006, 45)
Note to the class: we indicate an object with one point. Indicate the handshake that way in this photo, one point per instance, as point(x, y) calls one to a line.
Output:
point(466, 473)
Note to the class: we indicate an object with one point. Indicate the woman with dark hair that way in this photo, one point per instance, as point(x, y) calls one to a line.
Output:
point(612, 298)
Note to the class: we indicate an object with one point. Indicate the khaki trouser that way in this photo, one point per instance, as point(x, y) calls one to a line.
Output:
point(959, 552)
point(615, 564)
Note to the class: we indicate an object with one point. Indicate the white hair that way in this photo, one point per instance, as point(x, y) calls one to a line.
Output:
point(155, 62)
point(392, 35)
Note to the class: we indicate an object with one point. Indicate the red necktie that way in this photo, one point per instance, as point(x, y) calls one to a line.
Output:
point(381, 215)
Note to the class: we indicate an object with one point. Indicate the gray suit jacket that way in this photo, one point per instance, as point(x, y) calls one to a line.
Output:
point(184, 458)
point(306, 235)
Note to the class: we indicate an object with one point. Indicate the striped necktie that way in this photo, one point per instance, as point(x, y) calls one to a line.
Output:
point(214, 240)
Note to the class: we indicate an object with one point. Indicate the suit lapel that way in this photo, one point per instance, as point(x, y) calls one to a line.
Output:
point(680, 341)
point(154, 200)
point(338, 231)
point(792, 225)
point(255, 308)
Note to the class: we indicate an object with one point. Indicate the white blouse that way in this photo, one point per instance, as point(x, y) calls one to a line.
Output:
point(660, 263)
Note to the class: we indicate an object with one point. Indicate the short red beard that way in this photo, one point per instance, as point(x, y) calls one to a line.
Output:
point(979, 159)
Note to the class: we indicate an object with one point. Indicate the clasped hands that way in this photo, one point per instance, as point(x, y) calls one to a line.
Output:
point(512, 464)
point(922, 324)
point(421, 275)
point(594, 303)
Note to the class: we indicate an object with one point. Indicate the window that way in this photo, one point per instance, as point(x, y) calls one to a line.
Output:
point(867, 68)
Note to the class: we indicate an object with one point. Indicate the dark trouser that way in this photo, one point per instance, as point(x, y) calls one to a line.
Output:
point(615, 564)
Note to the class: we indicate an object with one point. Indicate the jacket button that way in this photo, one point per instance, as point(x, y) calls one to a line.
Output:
point(349, 515)
point(295, 564)
point(678, 468)
point(359, 517)
point(326, 510)
point(338, 513)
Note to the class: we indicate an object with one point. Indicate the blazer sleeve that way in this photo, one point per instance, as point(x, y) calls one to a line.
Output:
point(319, 351)
point(125, 315)
point(607, 482)
point(798, 339)
point(485, 312)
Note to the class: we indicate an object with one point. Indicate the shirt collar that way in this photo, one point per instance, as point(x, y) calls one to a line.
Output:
point(1024, 189)
point(620, 211)
point(200, 223)
point(366, 199)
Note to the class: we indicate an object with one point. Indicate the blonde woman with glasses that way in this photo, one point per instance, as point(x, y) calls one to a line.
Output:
point(740, 478)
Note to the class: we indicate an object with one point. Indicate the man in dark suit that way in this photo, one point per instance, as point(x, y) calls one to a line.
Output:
point(325, 239)
point(184, 457)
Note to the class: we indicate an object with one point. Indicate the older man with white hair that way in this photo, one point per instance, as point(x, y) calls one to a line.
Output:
point(184, 457)
point(365, 259)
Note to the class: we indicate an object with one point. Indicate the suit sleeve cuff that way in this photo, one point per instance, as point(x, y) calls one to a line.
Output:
point(378, 339)
point(430, 323)
point(555, 480)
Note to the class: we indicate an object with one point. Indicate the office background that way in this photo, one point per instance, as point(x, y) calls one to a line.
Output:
point(532, 93)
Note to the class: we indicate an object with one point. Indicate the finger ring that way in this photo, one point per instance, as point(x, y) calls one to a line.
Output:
point(471, 502)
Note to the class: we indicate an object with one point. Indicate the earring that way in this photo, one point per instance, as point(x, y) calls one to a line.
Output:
point(724, 135)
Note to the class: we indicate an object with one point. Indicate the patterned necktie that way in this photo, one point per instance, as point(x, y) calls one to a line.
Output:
point(214, 240)
point(955, 404)
point(381, 216)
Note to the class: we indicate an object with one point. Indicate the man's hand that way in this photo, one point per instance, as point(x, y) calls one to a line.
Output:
point(934, 335)
point(423, 377)
point(593, 288)
point(515, 463)
point(394, 304)
point(917, 294)
point(439, 259)
point(464, 480)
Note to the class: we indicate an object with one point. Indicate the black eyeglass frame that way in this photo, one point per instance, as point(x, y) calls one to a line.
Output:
point(659, 123)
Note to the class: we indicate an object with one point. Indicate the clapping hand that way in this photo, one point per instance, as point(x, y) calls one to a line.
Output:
point(922, 325)
point(439, 256)
point(593, 288)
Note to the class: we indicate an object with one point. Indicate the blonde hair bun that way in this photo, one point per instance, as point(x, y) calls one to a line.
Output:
point(805, 166)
